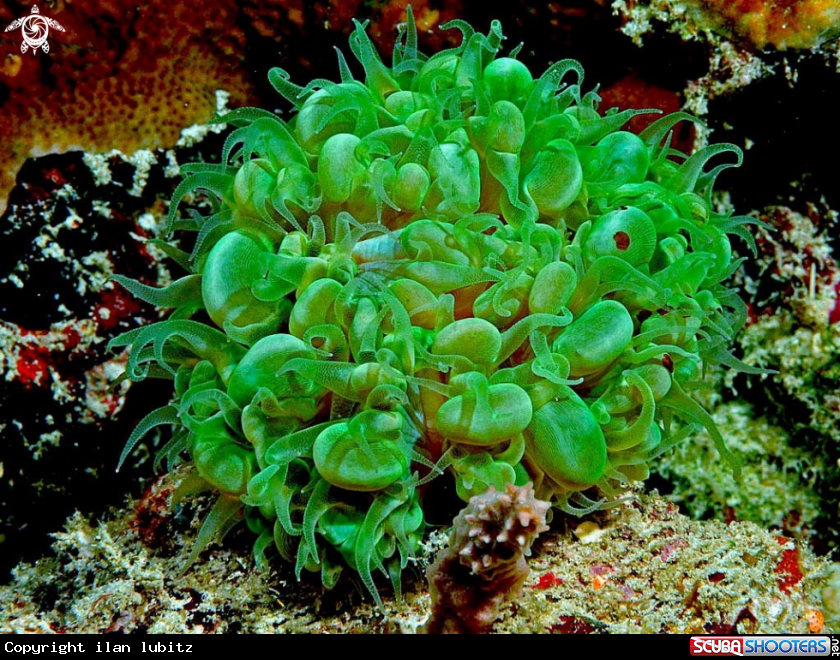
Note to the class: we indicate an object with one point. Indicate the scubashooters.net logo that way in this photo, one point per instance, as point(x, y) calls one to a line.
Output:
point(771, 645)
point(34, 29)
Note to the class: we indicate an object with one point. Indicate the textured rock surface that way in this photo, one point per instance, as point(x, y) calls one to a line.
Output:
point(640, 567)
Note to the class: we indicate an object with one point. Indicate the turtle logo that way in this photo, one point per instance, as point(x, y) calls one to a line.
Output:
point(34, 29)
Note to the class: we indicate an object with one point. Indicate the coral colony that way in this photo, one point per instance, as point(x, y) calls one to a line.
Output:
point(447, 269)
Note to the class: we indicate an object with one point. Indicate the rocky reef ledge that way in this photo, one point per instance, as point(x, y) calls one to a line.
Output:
point(639, 567)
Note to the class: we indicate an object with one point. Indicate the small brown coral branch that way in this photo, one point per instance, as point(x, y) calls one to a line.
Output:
point(484, 564)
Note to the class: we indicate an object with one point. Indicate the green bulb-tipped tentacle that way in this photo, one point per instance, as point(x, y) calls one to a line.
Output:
point(210, 409)
point(437, 276)
point(691, 176)
point(626, 233)
point(554, 367)
point(554, 179)
point(183, 295)
point(552, 289)
point(516, 335)
point(220, 184)
point(197, 338)
point(566, 442)
point(625, 435)
point(618, 159)
point(609, 274)
point(684, 406)
point(507, 79)
point(484, 414)
point(596, 338)
point(475, 473)
point(262, 366)
point(338, 168)
point(315, 306)
point(223, 461)
point(232, 272)
point(366, 556)
point(368, 453)
point(475, 339)
point(262, 429)
point(222, 517)
point(163, 415)
point(455, 170)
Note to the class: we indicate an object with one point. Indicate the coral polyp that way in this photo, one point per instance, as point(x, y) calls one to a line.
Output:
point(447, 269)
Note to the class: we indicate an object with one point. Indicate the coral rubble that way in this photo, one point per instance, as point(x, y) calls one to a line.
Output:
point(649, 569)
point(794, 329)
point(777, 487)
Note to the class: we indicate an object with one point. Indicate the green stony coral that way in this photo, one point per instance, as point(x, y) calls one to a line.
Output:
point(450, 269)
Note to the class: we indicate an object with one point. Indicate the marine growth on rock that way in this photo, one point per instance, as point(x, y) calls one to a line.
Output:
point(445, 268)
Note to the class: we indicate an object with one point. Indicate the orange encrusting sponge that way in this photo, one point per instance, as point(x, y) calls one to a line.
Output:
point(782, 24)
point(119, 77)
